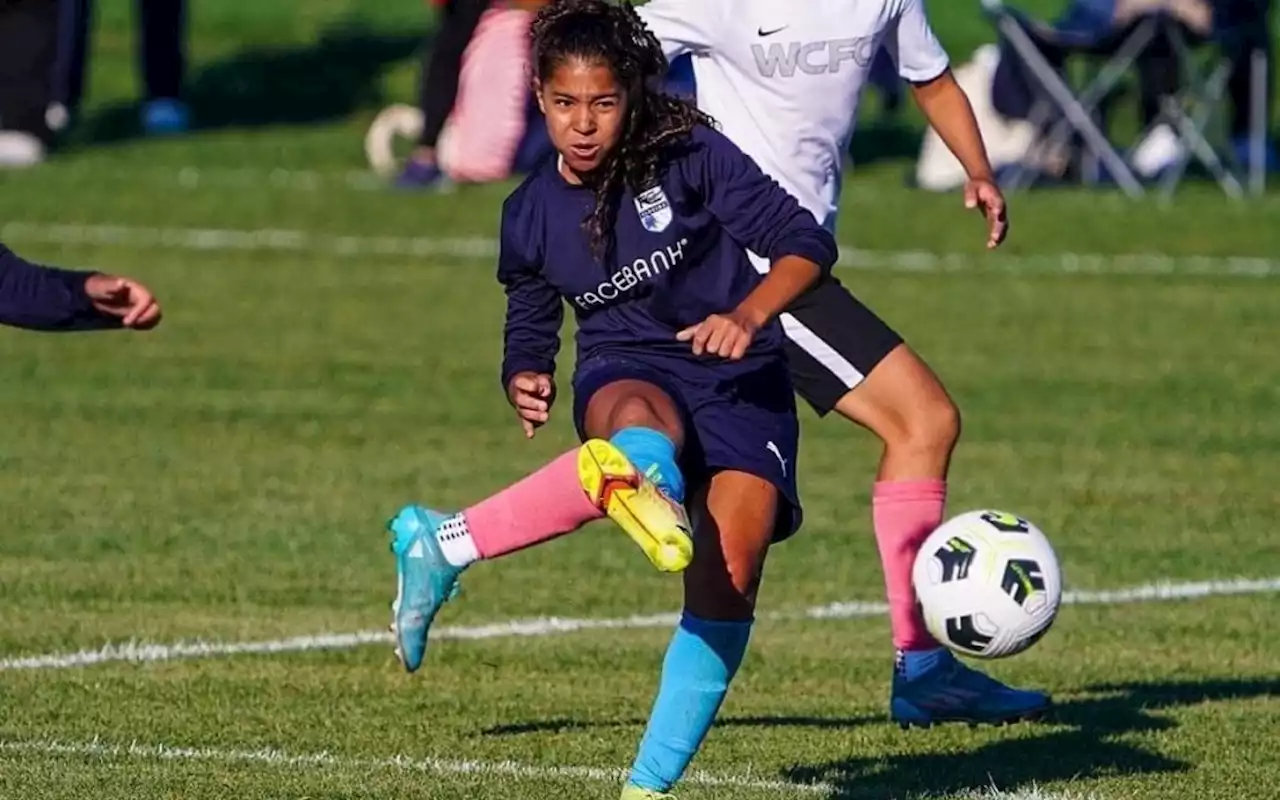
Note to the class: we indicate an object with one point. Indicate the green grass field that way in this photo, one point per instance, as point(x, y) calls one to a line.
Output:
point(330, 352)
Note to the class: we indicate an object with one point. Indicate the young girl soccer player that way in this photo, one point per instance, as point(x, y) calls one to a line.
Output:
point(681, 389)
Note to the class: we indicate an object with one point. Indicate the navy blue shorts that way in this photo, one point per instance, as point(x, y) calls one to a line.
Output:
point(744, 420)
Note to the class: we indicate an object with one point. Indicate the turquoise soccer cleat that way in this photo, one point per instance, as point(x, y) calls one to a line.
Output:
point(425, 581)
point(949, 691)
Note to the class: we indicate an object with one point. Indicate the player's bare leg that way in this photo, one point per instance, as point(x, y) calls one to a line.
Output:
point(905, 405)
point(734, 523)
point(903, 402)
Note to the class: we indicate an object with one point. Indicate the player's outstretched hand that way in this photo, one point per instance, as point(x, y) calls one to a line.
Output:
point(985, 196)
point(725, 335)
point(531, 395)
point(125, 298)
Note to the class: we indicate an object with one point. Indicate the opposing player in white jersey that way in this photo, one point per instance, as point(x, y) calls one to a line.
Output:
point(783, 79)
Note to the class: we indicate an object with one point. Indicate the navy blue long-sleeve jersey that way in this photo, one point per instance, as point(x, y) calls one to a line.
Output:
point(679, 255)
point(46, 298)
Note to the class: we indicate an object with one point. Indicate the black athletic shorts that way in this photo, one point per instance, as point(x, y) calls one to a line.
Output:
point(833, 343)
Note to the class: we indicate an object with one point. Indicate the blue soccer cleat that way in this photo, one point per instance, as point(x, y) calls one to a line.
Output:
point(419, 175)
point(165, 117)
point(945, 690)
point(423, 176)
point(425, 580)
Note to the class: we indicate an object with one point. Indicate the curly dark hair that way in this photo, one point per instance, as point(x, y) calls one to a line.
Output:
point(614, 34)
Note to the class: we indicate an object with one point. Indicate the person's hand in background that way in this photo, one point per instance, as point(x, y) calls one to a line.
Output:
point(125, 298)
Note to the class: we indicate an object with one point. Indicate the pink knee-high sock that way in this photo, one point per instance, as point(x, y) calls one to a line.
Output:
point(547, 504)
point(904, 514)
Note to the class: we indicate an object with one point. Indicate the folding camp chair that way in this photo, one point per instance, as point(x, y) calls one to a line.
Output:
point(1189, 113)
point(1063, 113)
point(1075, 113)
point(1240, 31)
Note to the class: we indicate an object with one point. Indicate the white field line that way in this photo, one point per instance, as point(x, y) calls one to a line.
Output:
point(364, 180)
point(144, 652)
point(479, 247)
point(309, 181)
point(436, 766)
point(1031, 793)
point(199, 178)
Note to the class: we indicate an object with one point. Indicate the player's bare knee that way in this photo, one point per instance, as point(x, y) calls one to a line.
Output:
point(633, 404)
point(636, 411)
point(930, 427)
point(939, 426)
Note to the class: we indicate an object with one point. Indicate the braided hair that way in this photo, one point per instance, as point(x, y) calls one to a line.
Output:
point(615, 35)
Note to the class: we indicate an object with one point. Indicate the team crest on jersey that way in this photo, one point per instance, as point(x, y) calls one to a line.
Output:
point(654, 209)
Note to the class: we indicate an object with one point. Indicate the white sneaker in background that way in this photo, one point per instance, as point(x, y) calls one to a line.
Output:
point(1160, 149)
point(20, 150)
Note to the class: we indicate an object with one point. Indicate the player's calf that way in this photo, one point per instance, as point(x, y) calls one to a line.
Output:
point(904, 404)
point(738, 517)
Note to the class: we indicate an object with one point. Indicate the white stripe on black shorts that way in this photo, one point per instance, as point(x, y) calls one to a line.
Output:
point(833, 342)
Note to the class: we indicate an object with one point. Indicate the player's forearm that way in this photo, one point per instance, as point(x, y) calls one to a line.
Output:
point(531, 332)
point(525, 353)
point(46, 298)
point(787, 279)
point(947, 108)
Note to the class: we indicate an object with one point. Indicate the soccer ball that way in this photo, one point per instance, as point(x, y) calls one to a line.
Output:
point(989, 584)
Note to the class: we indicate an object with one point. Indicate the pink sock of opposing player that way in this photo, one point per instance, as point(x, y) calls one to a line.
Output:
point(904, 514)
point(547, 504)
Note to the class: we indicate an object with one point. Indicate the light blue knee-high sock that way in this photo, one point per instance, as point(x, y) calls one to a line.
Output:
point(701, 661)
point(654, 454)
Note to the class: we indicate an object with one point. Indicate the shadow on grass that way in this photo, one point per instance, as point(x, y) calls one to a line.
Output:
point(1082, 740)
point(1091, 747)
point(321, 81)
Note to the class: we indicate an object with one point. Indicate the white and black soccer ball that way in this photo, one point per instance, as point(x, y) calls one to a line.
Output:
point(989, 584)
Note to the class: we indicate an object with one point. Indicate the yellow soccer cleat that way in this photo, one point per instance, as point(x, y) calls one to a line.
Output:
point(630, 792)
point(659, 525)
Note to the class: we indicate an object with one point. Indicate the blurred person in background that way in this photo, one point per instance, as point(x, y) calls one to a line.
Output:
point(28, 43)
point(43, 48)
point(1245, 27)
point(441, 71)
point(442, 65)
point(161, 59)
point(475, 121)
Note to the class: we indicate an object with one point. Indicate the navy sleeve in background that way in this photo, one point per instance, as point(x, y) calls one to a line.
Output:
point(46, 298)
point(752, 207)
point(531, 336)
